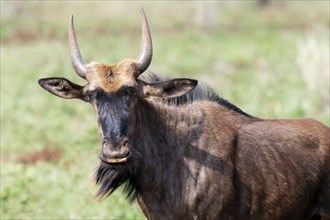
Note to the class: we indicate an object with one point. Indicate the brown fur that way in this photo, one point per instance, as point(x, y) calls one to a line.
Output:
point(110, 78)
point(202, 158)
point(186, 153)
point(230, 166)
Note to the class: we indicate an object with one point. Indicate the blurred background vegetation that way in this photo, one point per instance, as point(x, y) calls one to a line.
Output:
point(270, 59)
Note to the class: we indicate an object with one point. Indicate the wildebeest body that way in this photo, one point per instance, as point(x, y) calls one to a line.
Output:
point(185, 153)
point(282, 169)
point(207, 162)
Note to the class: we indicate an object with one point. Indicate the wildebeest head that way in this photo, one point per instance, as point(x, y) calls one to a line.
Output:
point(114, 91)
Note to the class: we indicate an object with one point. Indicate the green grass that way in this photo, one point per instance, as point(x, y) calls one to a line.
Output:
point(249, 58)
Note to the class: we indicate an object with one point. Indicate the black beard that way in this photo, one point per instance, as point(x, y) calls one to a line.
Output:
point(110, 177)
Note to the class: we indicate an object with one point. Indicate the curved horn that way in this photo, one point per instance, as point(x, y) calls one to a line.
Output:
point(145, 56)
point(77, 61)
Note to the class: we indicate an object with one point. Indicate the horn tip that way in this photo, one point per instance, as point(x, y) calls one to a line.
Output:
point(141, 10)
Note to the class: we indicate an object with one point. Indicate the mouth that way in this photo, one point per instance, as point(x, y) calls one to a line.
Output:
point(116, 160)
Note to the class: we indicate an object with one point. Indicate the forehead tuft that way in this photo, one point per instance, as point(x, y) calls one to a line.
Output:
point(99, 68)
point(110, 78)
point(127, 66)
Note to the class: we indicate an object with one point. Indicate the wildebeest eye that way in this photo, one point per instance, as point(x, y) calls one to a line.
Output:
point(129, 91)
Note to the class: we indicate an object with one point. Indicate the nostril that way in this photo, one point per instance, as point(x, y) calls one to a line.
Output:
point(125, 143)
point(106, 142)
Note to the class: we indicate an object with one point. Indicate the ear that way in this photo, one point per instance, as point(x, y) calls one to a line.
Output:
point(62, 87)
point(168, 89)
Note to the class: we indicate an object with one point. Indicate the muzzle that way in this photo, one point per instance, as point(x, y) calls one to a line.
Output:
point(115, 151)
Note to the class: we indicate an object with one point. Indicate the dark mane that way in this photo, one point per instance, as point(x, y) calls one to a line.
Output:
point(201, 92)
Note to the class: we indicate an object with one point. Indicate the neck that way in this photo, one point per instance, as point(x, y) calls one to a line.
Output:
point(163, 131)
point(162, 135)
point(177, 155)
point(165, 136)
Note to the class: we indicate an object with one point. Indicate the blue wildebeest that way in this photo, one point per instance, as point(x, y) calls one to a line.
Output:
point(186, 153)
